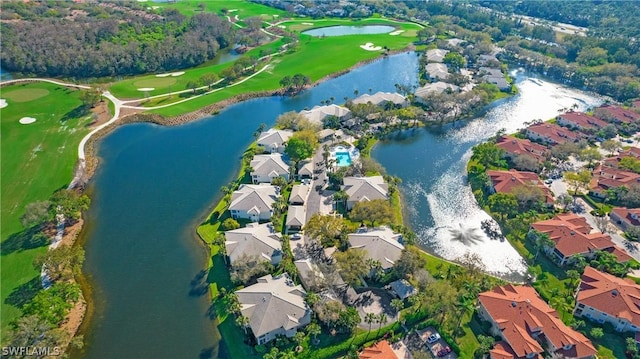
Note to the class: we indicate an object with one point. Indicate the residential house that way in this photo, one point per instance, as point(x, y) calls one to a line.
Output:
point(437, 71)
point(507, 181)
point(299, 194)
point(274, 140)
point(312, 277)
point(254, 240)
point(381, 244)
point(605, 178)
point(434, 87)
point(318, 113)
point(253, 202)
point(436, 55)
point(296, 218)
point(379, 350)
point(267, 167)
point(633, 152)
point(529, 326)
point(274, 306)
point(617, 115)
point(306, 169)
point(603, 297)
point(581, 121)
point(402, 289)
point(573, 236)
point(626, 217)
point(360, 189)
point(514, 147)
point(326, 135)
point(494, 76)
point(552, 134)
point(489, 61)
point(382, 99)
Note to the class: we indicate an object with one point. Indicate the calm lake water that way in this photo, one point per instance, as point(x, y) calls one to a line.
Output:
point(349, 30)
point(439, 203)
point(143, 258)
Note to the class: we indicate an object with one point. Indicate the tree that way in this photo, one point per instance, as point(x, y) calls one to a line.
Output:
point(349, 319)
point(564, 150)
point(69, 203)
point(53, 304)
point(298, 338)
point(489, 155)
point(597, 333)
point(541, 241)
point(193, 85)
point(578, 180)
point(351, 264)
point(528, 196)
point(382, 319)
point(325, 228)
point(486, 343)
point(32, 331)
point(209, 79)
point(590, 154)
point(301, 145)
point(378, 210)
point(90, 97)
point(242, 322)
point(247, 267)
point(610, 146)
point(286, 82)
point(410, 260)
point(505, 204)
point(370, 318)
point(632, 346)
point(62, 263)
point(397, 304)
point(454, 60)
point(526, 163)
point(313, 329)
point(36, 213)
point(230, 224)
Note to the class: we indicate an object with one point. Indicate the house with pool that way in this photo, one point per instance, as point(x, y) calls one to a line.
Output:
point(361, 189)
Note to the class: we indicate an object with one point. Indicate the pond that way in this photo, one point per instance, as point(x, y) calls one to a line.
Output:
point(349, 30)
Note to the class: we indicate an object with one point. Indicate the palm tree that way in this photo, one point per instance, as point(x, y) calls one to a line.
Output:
point(341, 197)
point(314, 330)
point(370, 318)
point(382, 319)
point(242, 322)
point(467, 305)
point(397, 304)
point(311, 299)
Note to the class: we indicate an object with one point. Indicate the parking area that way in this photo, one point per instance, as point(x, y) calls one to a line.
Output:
point(436, 345)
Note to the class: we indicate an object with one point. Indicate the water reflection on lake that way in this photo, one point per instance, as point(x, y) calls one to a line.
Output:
point(349, 30)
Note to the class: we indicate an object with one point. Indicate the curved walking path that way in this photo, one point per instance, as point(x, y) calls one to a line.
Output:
point(9, 82)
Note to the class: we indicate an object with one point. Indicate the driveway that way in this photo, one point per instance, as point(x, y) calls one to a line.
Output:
point(436, 346)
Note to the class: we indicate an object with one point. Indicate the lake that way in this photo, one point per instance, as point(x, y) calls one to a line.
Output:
point(349, 30)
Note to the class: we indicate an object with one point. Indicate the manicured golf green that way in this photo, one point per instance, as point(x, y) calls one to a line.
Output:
point(243, 9)
point(37, 159)
point(158, 82)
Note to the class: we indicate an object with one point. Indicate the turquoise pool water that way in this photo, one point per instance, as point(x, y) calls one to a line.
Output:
point(343, 159)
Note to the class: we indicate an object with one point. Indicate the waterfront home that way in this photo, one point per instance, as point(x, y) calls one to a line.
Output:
point(528, 326)
point(379, 350)
point(296, 218)
point(402, 289)
point(573, 236)
point(382, 99)
point(552, 134)
point(359, 189)
point(318, 113)
point(507, 181)
point(254, 240)
point(487, 61)
point(494, 76)
point(626, 217)
point(312, 277)
point(274, 306)
point(380, 244)
point(264, 168)
point(253, 202)
point(605, 178)
point(605, 298)
point(617, 115)
point(436, 55)
point(581, 121)
point(514, 147)
point(614, 161)
point(299, 194)
point(436, 71)
point(435, 87)
point(274, 140)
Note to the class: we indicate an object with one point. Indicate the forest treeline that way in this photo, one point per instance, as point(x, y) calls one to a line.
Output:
point(62, 39)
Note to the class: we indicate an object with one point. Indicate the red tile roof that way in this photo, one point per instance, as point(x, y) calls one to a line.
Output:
point(380, 350)
point(572, 235)
point(517, 146)
point(520, 314)
point(582, 120)
point(506, 181)
point(628, 214)
point(616, 113)
point(636, 103)
point(609, 177)
point(554, 133)
point(615, 296)
point(502, 350)
point(630, 152)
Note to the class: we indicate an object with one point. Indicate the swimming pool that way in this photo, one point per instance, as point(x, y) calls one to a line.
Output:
point(343, 159)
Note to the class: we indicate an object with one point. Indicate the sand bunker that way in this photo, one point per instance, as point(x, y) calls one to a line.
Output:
point(232, 10)
point(369, 47)
point(307, 23)
point(397, 32)
point(282, 26)
point(175, 74)
point(146, 89)
point(3, 103)
point(27, 120)
point(163, 75)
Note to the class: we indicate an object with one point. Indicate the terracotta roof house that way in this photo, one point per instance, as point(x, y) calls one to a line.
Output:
point(437, 71)
point(253, 202)
point(296, 218)
point(259, 240)
point(502, 350)
point(299, 194)
point(381, 99)
point(274, 140)
point(603, 297)
point(528, 325)
point(616, 114)
point(574, 236)
point(605, 178)
point(274, 306)
point(318, 113)
point(267, 167)
point(436, 55)
point(506, 181)
point(615, 161)
point(360, 189)
point(625, 217)
point(517, 147)
point(380, 244)
point(379, 350)
point(551, 134)
point(581, 121)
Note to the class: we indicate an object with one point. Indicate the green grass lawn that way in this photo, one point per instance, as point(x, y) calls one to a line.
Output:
point(243, 9)
point(37, 159)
